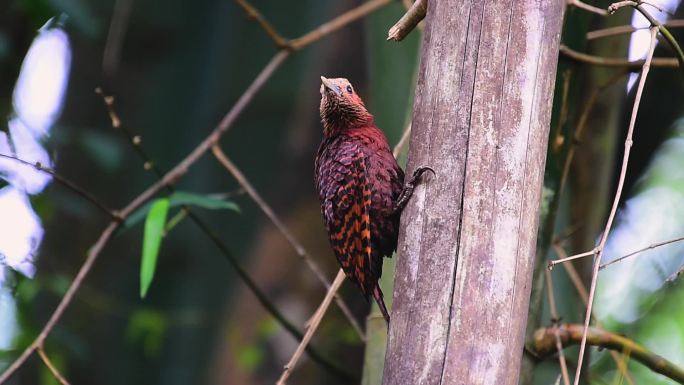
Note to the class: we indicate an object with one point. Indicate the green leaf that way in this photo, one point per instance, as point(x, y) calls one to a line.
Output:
point(204, 201)
point(180, 198)
point(154, 231)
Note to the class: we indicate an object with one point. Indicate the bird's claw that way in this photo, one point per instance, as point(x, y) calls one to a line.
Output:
point(407, 191)
point(419, 173)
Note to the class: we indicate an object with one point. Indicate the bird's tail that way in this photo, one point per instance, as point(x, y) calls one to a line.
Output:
point(377, 295)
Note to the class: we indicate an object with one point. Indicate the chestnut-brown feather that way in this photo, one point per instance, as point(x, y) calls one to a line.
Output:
point(358, 182)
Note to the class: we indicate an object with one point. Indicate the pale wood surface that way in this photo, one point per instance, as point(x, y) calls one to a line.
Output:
point(467, 245)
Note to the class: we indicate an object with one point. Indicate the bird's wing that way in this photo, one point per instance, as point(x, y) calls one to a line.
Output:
point(349, 228)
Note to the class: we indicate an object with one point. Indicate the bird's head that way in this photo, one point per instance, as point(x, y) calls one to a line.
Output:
point(341, 106)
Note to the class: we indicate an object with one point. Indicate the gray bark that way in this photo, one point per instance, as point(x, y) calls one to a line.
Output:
point(467, 244)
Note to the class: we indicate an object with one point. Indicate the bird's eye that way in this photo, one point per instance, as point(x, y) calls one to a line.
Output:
point(349, 89)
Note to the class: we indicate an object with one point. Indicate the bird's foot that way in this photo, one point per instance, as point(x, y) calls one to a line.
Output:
point(407, 191)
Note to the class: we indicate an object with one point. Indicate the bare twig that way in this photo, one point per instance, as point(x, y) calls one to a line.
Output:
point(402, 141)
point(254, 14)
point(299, 248)
point(311, 326)
point(637, 5)
point(68, 184)
point(621, 4)
point(51, 366)
point(337, 23)
point(675, 275)
point(622, 29)
point(134, 140)
point(584, 296)
point(616, 200)
point(635, 252)
point(587, 7)
point(409, 21)
point(555, 319)
point(316, 34)
point(544, 345)
point(572, 273)
point(665, 32)
point(572, 257)
point(183, 167)
point(330, 366)
point(68, 296)
point(633, 65)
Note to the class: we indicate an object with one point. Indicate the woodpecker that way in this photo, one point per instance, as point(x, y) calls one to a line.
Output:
point(360, 186)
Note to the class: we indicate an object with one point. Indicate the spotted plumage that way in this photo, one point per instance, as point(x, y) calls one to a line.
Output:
point(360, 186)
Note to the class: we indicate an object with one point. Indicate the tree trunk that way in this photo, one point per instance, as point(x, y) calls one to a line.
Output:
point(467, 245)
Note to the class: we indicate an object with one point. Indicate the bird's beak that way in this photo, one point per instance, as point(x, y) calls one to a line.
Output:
point(329, 85)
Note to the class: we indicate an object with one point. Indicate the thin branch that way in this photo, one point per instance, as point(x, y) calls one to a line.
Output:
point(637, 5)
point(409, 21)
point(584, 296)
point(572, 334)
point(255, 15)
point(623, 29)
point(587, 7)
point(572, 257)
point(51, 366)
point(337, 23)
point(633, 65)
point(268, 305)
point(649, 247)
point(562, 255)
point(621, 4)
point(93, 253)
point(171, 177)
point(299, 248)
point(616, 200)
point(316, 34)
point(66, 300)
point(134, 140)
point(68, 184)
point(573, 274)
point(676, 275)
point(666, 34)
point(402, 141)
point(555, 319)
point(311, 326)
